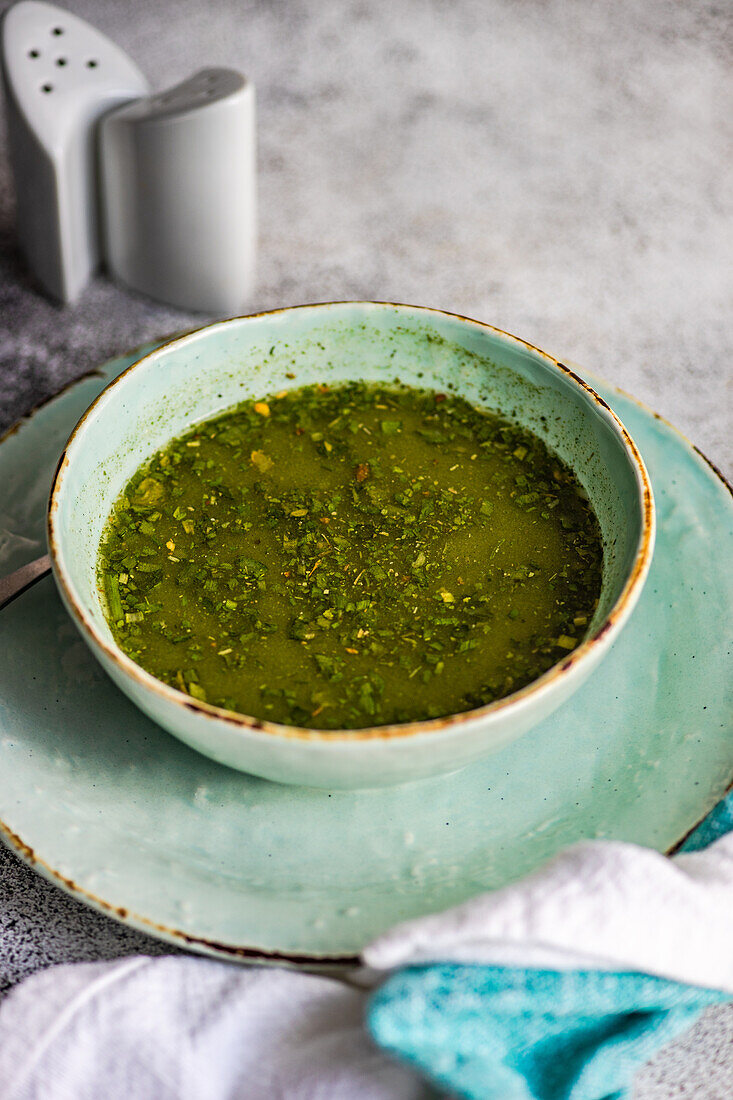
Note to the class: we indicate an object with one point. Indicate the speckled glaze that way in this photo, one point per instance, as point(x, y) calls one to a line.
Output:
point(197, 375)
point(107, 806)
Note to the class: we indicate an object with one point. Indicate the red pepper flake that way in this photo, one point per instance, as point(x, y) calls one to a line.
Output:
point(363, 470)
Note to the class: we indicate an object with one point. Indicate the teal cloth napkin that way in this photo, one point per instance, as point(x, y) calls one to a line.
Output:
point(507, 1033)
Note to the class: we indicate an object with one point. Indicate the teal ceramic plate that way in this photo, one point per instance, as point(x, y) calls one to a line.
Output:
point(121, 814)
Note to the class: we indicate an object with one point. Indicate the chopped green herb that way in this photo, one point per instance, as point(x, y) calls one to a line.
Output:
point(112, 588)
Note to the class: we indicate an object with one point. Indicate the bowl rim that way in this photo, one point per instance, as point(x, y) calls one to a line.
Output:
point(601, 637)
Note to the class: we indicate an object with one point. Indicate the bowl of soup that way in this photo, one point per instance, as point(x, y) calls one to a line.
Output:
point(349, 544)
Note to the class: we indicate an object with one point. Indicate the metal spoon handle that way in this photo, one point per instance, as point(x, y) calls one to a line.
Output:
point(17, 582)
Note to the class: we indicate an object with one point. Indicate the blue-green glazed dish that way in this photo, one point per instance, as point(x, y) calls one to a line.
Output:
point(197, 375)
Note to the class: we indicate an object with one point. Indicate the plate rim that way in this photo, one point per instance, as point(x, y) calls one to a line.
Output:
point(246, 954)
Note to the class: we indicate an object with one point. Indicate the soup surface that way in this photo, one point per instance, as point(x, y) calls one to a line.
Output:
point(350, 556)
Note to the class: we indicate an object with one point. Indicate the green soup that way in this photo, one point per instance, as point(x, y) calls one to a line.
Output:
point(351, 556)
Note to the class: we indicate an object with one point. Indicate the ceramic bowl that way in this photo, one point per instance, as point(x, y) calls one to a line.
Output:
point(204, 372)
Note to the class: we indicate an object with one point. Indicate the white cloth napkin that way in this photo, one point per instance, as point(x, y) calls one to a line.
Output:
point(190, 1029)
point(599, 905)
point(179, 1028)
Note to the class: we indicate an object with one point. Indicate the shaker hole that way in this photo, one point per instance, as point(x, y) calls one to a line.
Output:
point(47, 88)
point(57, 31)
point(61, 61)
point(92, 64)
point(34, 53)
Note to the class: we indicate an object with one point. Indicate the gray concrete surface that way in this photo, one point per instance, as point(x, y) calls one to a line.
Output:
point(560, 169)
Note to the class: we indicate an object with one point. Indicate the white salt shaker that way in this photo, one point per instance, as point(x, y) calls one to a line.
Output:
point(60, 76)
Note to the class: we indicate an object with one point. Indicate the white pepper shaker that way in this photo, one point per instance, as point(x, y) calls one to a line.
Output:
point(179, 192)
